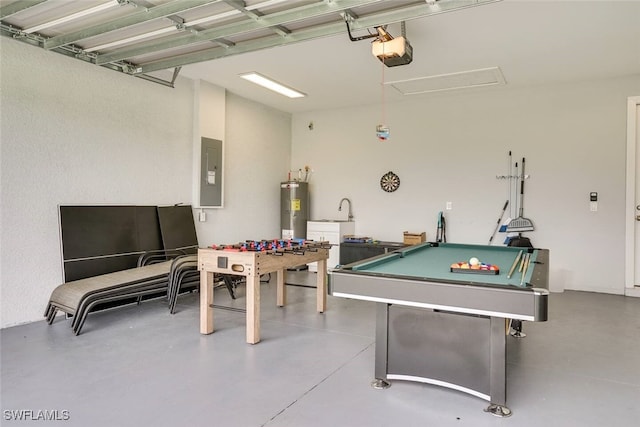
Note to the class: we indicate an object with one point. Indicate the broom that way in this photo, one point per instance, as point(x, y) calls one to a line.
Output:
point(521, 223)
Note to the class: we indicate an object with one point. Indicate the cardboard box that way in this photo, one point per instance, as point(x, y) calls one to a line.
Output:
point(414, 238)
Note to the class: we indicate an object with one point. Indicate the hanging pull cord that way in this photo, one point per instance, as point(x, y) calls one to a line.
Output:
point(384, 113)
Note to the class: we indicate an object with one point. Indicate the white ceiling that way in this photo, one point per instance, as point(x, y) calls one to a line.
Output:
point(532, 41)
point(529, 42)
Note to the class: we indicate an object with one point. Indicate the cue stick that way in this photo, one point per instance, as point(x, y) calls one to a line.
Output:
point(515, 262)
point(522, 263)
point(526, 266)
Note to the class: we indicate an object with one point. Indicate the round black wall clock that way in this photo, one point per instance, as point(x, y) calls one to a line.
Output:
point(390, 182)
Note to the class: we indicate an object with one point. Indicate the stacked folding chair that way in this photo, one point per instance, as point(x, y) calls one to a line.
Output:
point(184, 274)
point(100, 244)
point(80, 297)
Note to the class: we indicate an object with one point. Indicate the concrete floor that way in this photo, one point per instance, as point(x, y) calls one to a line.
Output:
point(141, 366)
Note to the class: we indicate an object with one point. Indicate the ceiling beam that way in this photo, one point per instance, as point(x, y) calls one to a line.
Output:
point(18, 6)
point(368, 21)
point(64, 44)
point(144, 15)
point(74, 52)
point(258, 44)
point(408, 13)
point(241, 7)
point(267, 21)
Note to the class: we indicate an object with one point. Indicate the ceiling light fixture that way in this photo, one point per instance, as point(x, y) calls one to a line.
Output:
point(266, 82)
point(71, 17)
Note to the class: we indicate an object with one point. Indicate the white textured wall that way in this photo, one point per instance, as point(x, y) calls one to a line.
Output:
point(450, 147)
point(257, 157)
point(76, 133)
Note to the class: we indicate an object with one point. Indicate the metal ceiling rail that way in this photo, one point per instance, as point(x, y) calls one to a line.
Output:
point(245, 47)
point(144, 15)
point(331, 13)
point(271, 20)
point(18, 6)
point(255, 16)
point(368, 21)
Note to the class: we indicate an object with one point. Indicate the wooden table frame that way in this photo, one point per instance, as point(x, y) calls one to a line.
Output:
point(252, 265)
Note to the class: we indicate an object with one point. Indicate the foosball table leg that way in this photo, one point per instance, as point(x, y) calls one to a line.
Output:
point(281, 288)
point(253, 309)
point(321, 284)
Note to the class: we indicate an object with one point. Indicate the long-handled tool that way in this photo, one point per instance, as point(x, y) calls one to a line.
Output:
point(503, 226)
point(521, 223)
point(441, 233)
point(495, 230)
point(513, 203)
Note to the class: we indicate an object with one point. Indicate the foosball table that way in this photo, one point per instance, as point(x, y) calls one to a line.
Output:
point(253, 259)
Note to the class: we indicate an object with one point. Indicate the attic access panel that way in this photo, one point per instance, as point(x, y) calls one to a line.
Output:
point(452, 81)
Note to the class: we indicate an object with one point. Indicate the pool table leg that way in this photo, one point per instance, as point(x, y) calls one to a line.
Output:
point(516, 329)
point(382, 317)
point(498, 374)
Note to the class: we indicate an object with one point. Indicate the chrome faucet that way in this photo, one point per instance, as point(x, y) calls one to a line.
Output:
point(350, 215)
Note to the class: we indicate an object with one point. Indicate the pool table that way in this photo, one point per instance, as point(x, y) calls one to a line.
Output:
point(444, 327)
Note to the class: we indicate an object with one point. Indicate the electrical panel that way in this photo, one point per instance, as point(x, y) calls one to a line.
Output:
point(211, 173)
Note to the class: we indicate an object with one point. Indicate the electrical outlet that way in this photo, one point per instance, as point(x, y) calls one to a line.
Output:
point(449, 206)
point(593, 206)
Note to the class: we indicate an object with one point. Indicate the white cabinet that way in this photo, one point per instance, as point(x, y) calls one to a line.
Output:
point(332, 232)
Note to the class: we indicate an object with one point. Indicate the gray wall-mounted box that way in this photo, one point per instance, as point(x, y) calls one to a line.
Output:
point(211, 173)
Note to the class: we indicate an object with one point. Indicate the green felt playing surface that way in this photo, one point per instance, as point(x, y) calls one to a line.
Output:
point(427, 261)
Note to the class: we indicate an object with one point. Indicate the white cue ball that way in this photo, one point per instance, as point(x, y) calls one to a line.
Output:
point(474, 261)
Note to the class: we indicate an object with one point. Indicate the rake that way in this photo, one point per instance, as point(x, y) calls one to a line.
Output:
point(521, 223)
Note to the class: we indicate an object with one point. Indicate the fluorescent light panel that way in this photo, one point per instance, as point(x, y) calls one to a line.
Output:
point(71, 17)
point(266, 82)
